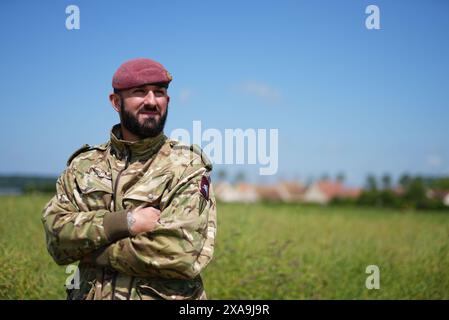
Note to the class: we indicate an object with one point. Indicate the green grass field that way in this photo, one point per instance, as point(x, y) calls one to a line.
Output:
point(268, 252)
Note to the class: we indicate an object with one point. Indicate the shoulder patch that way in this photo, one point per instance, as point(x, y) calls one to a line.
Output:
point(204, 186)
point(84, 148)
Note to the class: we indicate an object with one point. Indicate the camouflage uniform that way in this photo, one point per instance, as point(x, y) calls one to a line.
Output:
point(86, 219)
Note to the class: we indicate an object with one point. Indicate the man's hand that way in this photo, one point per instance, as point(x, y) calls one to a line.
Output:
point(142, 219)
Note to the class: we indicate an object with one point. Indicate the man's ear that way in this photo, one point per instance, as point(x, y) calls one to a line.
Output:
point(116, 101)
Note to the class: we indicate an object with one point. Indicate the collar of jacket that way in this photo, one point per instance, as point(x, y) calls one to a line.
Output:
point(141, 149)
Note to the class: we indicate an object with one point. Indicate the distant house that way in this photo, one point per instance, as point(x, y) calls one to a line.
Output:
point(247, 192)
point(291, 191)
point(399, 191)
point(286, 191)
point(442, 195)
point(225, 192)
point(324, 191)
point(269, 193)
point(241, 192)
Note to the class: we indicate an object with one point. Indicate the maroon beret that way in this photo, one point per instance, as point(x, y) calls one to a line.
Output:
point(137, 72)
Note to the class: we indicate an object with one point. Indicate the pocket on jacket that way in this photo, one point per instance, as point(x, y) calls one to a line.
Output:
point(149, 189)
point(96, 189)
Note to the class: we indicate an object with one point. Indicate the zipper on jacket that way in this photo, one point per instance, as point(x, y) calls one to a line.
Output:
point(128, 160)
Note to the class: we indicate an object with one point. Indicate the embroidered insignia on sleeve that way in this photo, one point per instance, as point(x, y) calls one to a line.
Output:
point(204, 187)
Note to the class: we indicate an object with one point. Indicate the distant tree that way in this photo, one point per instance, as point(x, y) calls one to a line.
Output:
point(415, 195)
point(28, 182)
point(386, 198)
point(310, 180)
point(240, 177)
point(340, 177)
point(371, 183)
point(416, 192)
point(222, 175)
point(441, 183)
point(404, 180)
point(386, 182)
point(41, 187)
point(325, 177)
point(367, 198)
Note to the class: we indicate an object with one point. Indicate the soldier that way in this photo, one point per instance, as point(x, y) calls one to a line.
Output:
point(137, 212)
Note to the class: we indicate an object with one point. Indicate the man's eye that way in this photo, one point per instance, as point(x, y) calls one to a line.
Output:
point(138, 91)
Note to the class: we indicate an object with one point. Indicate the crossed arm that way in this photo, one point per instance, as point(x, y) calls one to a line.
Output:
point(180, 245)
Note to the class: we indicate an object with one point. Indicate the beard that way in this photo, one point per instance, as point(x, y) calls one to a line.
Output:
point(151, 127)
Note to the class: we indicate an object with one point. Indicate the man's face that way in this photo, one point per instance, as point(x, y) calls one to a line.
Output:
point(143, 110)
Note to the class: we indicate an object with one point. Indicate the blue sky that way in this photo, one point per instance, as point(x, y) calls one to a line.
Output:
point(344, 98)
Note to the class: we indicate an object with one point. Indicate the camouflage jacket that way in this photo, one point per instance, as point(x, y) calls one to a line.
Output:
point(86, 220)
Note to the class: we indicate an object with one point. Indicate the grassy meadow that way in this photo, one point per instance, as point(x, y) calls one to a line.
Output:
point(268, 251)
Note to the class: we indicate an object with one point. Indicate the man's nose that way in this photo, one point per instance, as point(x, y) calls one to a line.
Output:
point(150, 98)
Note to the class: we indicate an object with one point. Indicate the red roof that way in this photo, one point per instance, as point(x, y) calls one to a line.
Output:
point(336, 189)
